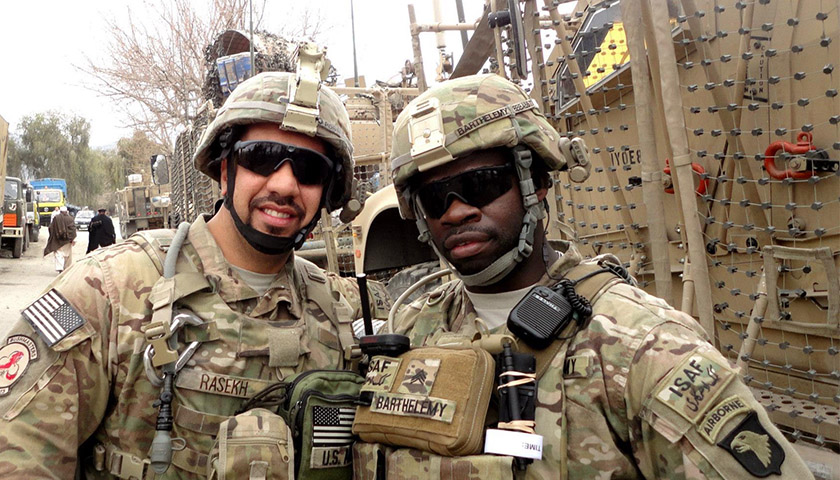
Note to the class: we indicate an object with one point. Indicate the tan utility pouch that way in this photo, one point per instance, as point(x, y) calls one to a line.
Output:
point(373, 461)
point(431, 398)
point(256, 445)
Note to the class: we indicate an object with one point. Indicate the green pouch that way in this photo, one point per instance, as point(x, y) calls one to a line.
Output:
point(253, 445)
point(319, 406)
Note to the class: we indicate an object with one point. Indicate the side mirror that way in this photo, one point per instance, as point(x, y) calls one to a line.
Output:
point(29, 195)
point(160, 170)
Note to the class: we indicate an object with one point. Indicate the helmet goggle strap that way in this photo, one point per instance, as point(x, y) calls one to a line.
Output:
point(263, 242)
point(534, 211)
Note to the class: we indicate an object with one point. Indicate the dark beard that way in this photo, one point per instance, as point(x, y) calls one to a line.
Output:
point(277, 200)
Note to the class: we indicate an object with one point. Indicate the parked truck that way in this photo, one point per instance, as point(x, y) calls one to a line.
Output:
point(33, 218)
point(52, 193)
point(142, 207)
point(4, 140)
point(15, 235)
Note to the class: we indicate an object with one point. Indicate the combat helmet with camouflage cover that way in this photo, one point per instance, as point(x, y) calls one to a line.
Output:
point(469, 114)
point(296, 102)
point(266, 98)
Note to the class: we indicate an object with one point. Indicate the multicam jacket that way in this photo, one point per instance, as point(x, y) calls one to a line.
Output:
point(89, 389)
point(638, 393)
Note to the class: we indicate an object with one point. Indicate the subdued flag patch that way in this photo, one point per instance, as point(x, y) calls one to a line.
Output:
point(53, 317)
point(332, 425)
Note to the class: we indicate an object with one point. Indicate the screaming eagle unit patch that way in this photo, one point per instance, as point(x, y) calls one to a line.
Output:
point(754, 448)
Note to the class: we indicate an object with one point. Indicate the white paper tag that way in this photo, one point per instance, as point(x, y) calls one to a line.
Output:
point(516, 444)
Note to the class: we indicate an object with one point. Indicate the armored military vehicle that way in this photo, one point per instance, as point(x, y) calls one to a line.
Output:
point(713, 130)
point(15, 233)
point(139, 208)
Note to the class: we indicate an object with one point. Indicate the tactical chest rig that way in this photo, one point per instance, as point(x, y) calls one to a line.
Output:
point(195, 400)
point(386, 460)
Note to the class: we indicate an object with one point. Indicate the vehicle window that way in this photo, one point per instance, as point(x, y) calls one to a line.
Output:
point(49, 196)
point(85, 214)
point(11, 189)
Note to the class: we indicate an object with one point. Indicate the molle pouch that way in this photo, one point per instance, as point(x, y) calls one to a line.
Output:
point(320, 406)
point(409, 463)
point(433, 399)
point(253, 445)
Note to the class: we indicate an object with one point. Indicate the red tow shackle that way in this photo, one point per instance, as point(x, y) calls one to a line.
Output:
point(704, 182)
point(803, 145)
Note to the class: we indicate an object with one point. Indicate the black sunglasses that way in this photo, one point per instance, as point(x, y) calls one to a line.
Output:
point(477, 187)
point(265, 157)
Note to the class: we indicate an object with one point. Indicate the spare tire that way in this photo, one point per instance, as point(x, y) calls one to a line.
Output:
point(408, 276)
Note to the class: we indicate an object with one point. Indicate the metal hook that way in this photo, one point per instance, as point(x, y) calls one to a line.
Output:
point(178, 321)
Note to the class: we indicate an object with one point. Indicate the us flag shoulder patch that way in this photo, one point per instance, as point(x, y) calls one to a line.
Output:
point(53, 317)
point(332, 426)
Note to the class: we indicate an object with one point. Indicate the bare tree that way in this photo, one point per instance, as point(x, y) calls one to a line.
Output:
point(309, 23)
point(154, 71)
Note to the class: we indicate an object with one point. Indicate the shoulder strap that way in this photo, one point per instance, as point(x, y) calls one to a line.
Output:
point(165, 292)
point(334, 305)
point(155, 243)
point(592, 286)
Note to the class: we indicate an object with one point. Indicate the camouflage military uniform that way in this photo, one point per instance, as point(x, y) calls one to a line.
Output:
point(91, 388)
point(611, 404)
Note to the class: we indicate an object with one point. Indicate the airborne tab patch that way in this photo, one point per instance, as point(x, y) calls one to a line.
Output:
point(720, 415)
point(755, 449)
point(53, 317)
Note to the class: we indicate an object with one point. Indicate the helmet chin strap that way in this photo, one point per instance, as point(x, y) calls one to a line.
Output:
point(534, 211)
point(263, 242)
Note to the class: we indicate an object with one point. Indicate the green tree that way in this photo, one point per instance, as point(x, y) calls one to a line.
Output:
point(53, 144)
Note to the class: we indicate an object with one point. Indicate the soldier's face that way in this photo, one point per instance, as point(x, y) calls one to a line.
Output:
point(276, 204)
point(472, 237)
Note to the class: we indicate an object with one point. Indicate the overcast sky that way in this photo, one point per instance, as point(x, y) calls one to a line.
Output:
point(43, 39)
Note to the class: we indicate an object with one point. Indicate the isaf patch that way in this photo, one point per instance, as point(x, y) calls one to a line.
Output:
point(691, 388)
point(15, 358)
point(755, 449)
point(53, 317)
point(381, 374)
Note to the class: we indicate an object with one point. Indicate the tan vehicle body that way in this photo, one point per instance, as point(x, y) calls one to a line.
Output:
point(137, 211)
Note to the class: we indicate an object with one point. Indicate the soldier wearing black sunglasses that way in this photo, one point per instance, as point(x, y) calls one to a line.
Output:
point(144, 348)
point(621, 385)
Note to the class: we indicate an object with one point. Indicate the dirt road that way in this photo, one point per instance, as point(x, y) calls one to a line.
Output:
point(22, 279)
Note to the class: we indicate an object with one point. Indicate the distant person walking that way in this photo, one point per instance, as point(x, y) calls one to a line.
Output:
point(54, 214)
point(101, 231)
point(62, 238)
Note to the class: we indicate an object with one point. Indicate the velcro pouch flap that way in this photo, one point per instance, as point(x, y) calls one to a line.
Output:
point(433, 399)
point(254, 444)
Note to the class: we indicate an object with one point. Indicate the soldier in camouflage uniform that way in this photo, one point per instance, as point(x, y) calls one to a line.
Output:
point(635, 392)
point(78, 389)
